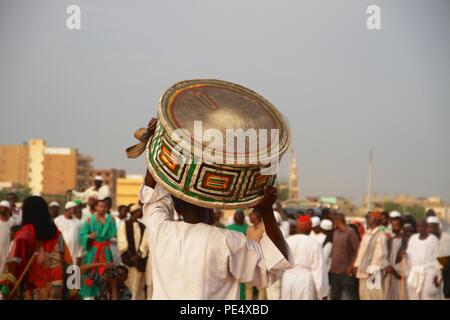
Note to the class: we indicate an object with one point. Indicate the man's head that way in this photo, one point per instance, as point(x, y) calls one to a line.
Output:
point(339, 221)
point(98, 182)
point(304, 224)
point(53, 207)
point(190, 212)
point(100, 207)
point(77, 212)
point(434, 226)
point(5, 209)
point(408, 230)
point(430, 213)
point(92, 201)
point(326, 214)
point(397, 225)
point(122, 273)
point(70, 209)
point(385, 218)
point(108, 202)
point(123, 212)
point(374, 219)
point(135, 212)
point(12, 199)
point(239, 216)
point(315, 223)
point(422, 228)
point(310, 212)
point(255, 217)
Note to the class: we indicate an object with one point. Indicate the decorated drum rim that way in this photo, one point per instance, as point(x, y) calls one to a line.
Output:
point(285, 135)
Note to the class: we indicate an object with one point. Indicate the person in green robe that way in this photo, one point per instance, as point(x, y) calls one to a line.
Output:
point(240, 226)
point(95, 237)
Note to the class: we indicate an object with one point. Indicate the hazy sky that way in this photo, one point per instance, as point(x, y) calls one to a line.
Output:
point(344, 88)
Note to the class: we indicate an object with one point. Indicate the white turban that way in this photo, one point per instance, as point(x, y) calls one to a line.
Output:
point(315, 221)
point(5, 204)
point(433, 219)
point(394, 214)
point(54, 204)
point(326, 225)
point(70, 205)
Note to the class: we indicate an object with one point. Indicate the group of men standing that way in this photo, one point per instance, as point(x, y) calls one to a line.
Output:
point(333, 259)
point(394, 258)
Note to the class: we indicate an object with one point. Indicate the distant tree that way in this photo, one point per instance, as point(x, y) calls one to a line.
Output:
point(21, 191)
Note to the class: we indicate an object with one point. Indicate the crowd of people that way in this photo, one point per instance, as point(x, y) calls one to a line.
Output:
point(129, 254)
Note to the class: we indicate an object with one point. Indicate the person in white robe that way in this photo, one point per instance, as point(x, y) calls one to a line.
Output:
point(274, 291)
point(327, 226)
point(136, 279)
point(70, 228)
point(395, 279)
point(6, 223)
point(194, 260)
point(424, 279)
point(372, 258)
point(435, 227)
point(308, 280)
point(100, 189)
point(144, 249)
point(16, 211)
point(316, 232)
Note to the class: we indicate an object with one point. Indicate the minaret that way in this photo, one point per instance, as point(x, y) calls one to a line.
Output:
point(369, 182)
point(293, 178)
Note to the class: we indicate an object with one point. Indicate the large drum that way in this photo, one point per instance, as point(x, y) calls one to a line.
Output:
point(216, 144)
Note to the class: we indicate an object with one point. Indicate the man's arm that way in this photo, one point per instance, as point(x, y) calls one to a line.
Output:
point(271, 225)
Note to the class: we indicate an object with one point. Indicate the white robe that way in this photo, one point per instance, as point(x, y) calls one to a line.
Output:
point(444, 245)
point(102, 193)
point(5, 228)
point(320, 237)
point(423, 268)
point(70, 229)
point(199, 261)
point(308, 280)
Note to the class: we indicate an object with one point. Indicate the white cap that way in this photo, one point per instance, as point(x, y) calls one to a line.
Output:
point(315, 221)
point(54, 204)
point(70, 205)
point(433, 219)
point(278, 217)
point(98, 178)
point(394, 214)
point(5, 204)
point(135, 207)
point(326, 224)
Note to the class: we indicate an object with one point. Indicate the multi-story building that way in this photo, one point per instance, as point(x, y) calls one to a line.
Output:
point(43, 169)
point(14, 164)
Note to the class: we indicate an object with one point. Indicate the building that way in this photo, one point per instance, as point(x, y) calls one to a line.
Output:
point(14, 164)
point(109, 176)
point(127, 189)
point(294, 193)
point(45, 170)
